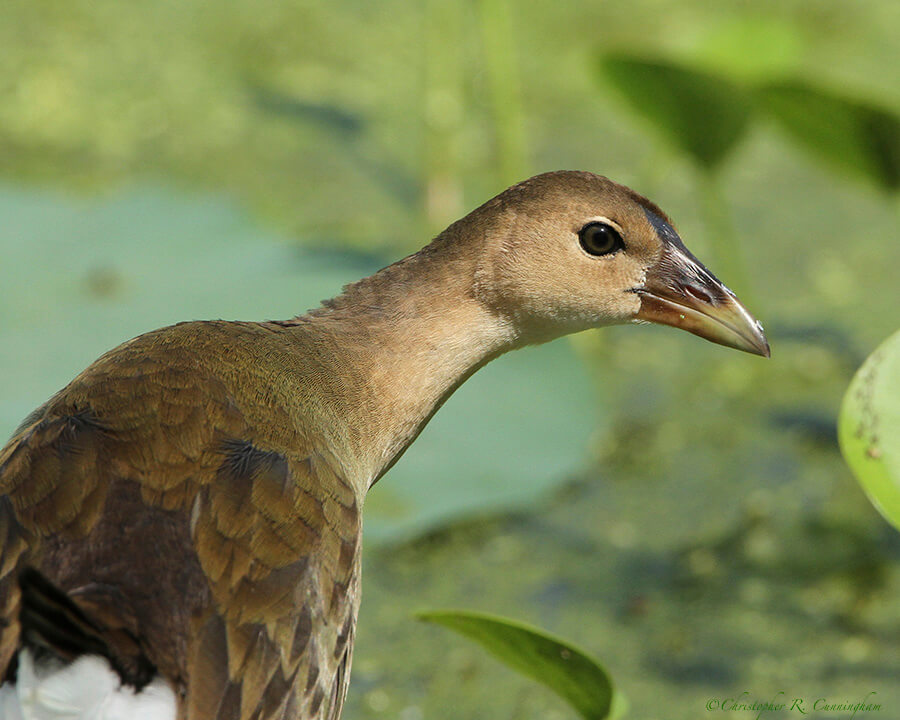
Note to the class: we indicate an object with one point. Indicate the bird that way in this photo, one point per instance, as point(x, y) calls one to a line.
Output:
point(181, 524)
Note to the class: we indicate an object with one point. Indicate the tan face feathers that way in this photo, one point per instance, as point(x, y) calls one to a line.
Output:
point(568, 251)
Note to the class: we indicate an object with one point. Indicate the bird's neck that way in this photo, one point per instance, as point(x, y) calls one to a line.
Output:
point(401, 341)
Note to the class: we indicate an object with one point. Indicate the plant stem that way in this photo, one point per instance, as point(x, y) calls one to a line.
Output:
point(505, 96)
point(443, 113)
point(729, 262)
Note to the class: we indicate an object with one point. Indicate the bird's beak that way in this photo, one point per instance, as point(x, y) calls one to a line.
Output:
point(679, 291)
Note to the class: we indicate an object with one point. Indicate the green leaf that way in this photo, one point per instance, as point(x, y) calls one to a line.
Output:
point(749, 47)
point(514, 431)
point(848, 134)
point(704, 115)
point(568, 671)
point(869, 428)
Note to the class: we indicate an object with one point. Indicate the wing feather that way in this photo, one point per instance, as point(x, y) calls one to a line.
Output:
point(145, 472)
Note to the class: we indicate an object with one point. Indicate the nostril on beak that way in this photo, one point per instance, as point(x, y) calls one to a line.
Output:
point(699, 294)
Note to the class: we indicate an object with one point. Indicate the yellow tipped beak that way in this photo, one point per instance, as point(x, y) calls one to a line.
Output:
point(680, 292)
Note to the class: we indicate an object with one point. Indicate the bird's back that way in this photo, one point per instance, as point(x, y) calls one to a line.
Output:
point(194, 522)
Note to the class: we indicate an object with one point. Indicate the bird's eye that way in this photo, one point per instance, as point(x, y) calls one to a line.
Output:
point(598, 238)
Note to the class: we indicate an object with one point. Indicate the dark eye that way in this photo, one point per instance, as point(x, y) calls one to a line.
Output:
point(598, 238)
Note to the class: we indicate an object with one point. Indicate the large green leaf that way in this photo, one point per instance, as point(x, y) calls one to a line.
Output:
point(77, 278)
point(704, 115)
point(752, 47)
point(869, 428)
point(569, 672)
point(851, 135)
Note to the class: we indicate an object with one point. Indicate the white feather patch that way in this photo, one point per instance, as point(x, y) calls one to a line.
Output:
point(87, 689)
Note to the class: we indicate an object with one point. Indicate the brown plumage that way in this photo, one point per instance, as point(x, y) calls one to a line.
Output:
point(192, 500)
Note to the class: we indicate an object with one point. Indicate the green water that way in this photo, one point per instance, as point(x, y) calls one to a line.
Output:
point(678, 509)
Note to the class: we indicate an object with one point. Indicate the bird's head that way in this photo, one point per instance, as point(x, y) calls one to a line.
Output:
point(568, 251)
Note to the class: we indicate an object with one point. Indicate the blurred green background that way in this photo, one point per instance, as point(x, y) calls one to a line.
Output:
point(678, 509)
